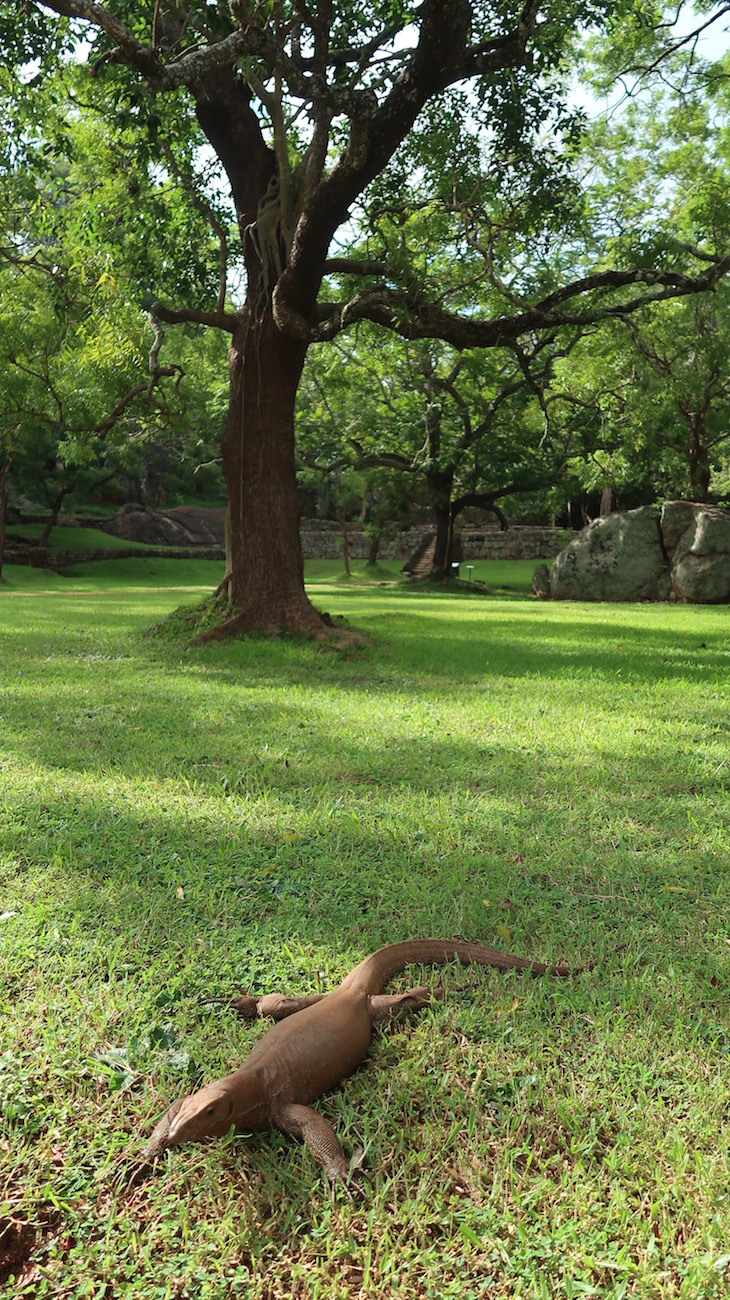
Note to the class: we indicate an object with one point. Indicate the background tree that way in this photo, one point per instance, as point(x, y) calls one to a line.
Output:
point(345, 423)
point(650, 394)
point(84, 398)
point(454, 430)
point(651, 405)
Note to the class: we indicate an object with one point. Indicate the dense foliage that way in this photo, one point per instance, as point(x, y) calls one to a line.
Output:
point(422, 173)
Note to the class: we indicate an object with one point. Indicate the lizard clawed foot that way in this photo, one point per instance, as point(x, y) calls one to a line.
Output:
point(357, 1160)
point(276, 1005)
point(342, 1175)
point(135, 1170)
point(127, 1169)
point(245, 1004)
point(135, 1163)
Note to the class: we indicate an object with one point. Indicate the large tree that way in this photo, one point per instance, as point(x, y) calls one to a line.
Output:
point(304, 106)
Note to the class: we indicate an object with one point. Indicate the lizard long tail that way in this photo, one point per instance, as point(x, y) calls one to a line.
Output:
point(372, 973)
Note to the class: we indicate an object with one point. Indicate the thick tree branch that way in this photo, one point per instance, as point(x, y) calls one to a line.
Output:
point(483, 501)
point(488, 500)
point(674, 280)
point(413, 319)
point(441, 57)
point(340, 58)
point(512, 47)
point(375, 133)
point(448, 385)
point(130, 50)
point(221, 320)
point(361, 460)
point(479, 430)
point(106, 425)
point(197, 68)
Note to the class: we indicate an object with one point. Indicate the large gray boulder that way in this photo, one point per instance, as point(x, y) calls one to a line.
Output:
point(541, 582)
point(697, 542)
point(617, 557)
point(680, 553)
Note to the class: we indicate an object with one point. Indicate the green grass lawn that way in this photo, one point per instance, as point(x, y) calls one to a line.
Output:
point(176, 823)
point(503, 576)
point(496, 575)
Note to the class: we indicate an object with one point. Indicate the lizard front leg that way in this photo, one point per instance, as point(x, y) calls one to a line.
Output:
point(318, 1136)
point(158, 1139)
point(276, 1005)
point(139, 1161)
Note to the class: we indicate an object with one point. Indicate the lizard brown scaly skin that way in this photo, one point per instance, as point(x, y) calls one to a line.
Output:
point(318, 1041)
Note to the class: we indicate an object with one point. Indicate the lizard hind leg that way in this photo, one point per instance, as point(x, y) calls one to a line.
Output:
point(385, 1007)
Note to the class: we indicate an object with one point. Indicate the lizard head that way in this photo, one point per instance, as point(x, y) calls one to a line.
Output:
point(208, 1113)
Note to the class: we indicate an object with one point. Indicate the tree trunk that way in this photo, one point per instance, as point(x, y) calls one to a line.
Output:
point(375, 545)
point(345, 542)
point(267, 568)
point(53, 517)
point(440, 483)
point(700, 473)
point(4, 507)
point(442, 554)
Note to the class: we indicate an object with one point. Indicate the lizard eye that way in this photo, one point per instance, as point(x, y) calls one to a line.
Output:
point(211, 1110)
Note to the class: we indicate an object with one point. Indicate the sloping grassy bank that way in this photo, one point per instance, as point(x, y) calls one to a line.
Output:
point(114, 577)
point(76, 538)
point(176, 823)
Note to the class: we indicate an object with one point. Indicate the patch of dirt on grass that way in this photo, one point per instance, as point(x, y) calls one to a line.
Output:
point(22, 1246)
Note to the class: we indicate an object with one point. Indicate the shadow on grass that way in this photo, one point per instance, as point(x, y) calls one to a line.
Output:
point(166, 780)
point(229, 738)
point(552, 640)
point(279, 718)
point(203, 895)
point(513, 637)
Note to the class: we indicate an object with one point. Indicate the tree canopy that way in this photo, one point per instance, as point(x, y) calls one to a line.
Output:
point(404, 164)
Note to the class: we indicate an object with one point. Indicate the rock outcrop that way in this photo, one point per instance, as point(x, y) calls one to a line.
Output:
point(180, 526)
point(541, 582)
point(697, 543)
point(680, 553)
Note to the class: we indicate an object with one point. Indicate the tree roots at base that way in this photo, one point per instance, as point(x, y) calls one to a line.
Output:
point(307, 623)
